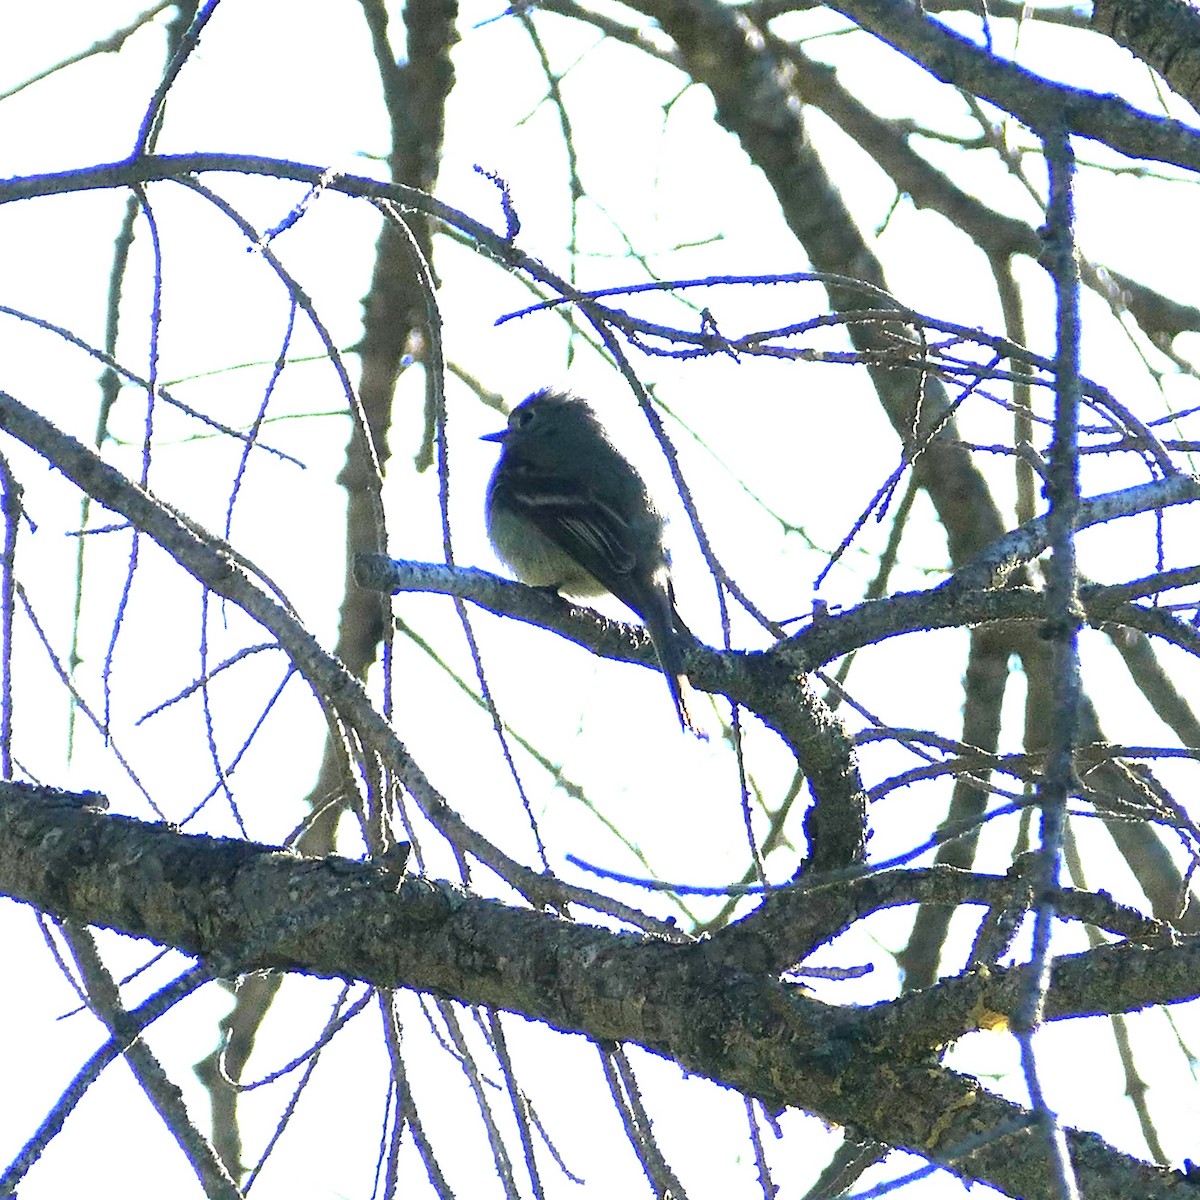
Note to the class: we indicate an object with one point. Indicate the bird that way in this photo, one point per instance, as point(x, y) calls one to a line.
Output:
point(567, 511)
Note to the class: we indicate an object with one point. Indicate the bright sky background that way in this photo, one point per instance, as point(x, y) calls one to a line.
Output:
point(292, 80)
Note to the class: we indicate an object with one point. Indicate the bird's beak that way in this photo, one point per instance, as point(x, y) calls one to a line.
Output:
point(498, 436)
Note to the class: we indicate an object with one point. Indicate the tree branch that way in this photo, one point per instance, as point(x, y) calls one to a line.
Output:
point(1032, 99)
point(252, 907)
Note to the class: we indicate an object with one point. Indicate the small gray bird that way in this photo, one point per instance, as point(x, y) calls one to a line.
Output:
point(566, 510)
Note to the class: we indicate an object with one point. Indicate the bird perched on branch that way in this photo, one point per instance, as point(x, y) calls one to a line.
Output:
point(566, 510)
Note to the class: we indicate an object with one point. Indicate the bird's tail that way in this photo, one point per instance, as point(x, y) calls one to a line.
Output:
point(668, 634)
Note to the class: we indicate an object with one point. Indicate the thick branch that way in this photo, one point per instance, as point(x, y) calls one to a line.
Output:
point(1163, 33)
point(1036, 101)
point(249, 906)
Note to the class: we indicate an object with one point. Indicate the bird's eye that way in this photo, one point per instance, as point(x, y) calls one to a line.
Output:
point(521, 417)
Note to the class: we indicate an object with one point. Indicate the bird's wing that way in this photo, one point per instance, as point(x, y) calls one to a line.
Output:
point(593, 533)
